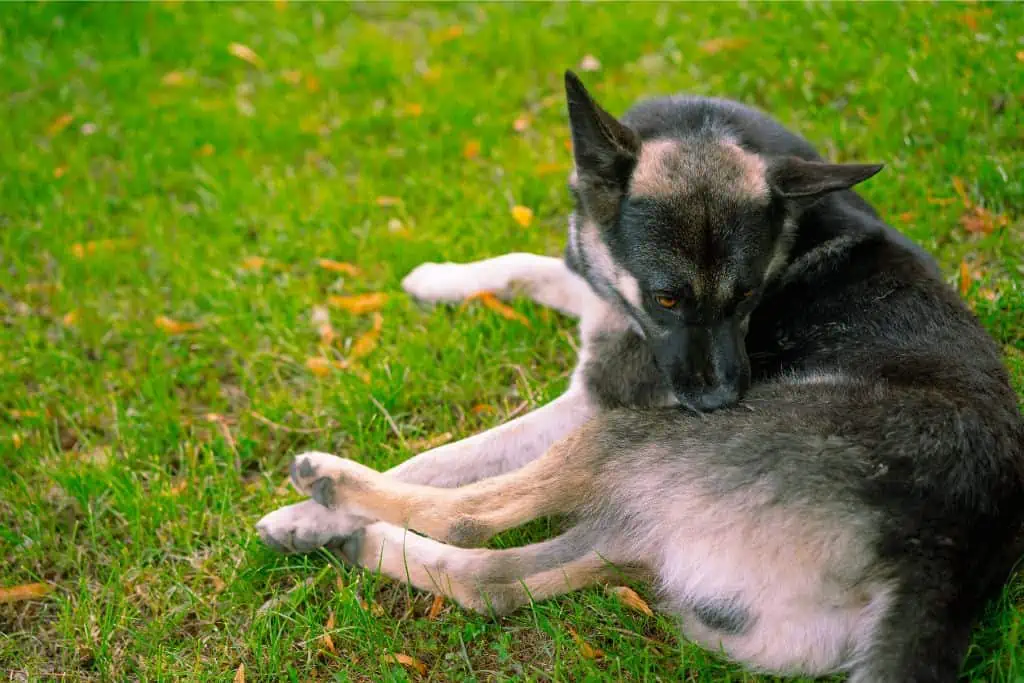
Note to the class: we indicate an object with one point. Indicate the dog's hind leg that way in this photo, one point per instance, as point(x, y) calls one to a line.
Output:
point(545, 279)
point(556, 483)
point(487, 581)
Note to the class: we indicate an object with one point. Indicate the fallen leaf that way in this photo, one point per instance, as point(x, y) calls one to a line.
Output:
point(628, 597)
point(716, 45)
point(521, 124)
point(406, 661)
point(980, 221)
point(481, 408)
point(941, 201)
point(326, 639)
point(321, 367)
point(28, 591)
point(567, 143)
point(22, 414)
point(364, 376)
point(906, 216)
point(70, 319)
point(218, 583)
point(1020, 56)
point(59, 124)
point(550, 168)
point(359, 303)
point(292, 76)
point(961, 191)
point(435, 607)
point(254, 263)
point(60, 171)
point(430, 442)
point(412, 109)
point(83, 249)
point(523, 215)
point(16, 440)
point(450, 33)
point(368, 341)
point(384, 200)
point(970, 18)
point(965, 278)
point(492, 302)
point(338, 266)
point(590, 63)
point(988, 294)
point(172, 326)
point(206, 150)
point(471, 150)
point(179, 488)
point(240, 673)
point(312, 83)
point(246, 54)
point(175, 78)
point(586, 651)
point(373, 608)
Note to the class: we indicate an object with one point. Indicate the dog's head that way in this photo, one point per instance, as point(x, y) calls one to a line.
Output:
point(683, 233)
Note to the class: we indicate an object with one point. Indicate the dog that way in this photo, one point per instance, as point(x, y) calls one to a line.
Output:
point(781, 415)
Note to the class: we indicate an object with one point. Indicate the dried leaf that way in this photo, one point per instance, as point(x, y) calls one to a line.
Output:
point(988, 294)
point(178, 488)
point(450, 33)
point(373, 608)
point(906, 216)
point(406, 661)
point(359, 303)
point(1020, 56)
point(206, 150)
point(70, 319)
point(941, 201)
point(254, 263)
point(384, 200)
point(28, 591)
point(240, 673)
point(368, 341)
point(175, 78)
point(60, 171)
point(430, 442)
point(628, 597)
point(291, 76)
point(22, 414)
point(523, 215)
point(522, 123)
point(435, 607)
point(17, 440)
point(413, 109)
point(586, 651)
point(325, 639)
point(246, 54)
point(492, 302)
point(171, 326)
point(81, 250)
point(590, 63)
point(218, 583)
point(979, 220)
point(321, 367)
point(961, 191)
point(965, 278)
point(338, 266)
point(59, 124)
point(551, 168)
point(471, 150)
point(716, 45)
point(481, 408)
point(312, 83)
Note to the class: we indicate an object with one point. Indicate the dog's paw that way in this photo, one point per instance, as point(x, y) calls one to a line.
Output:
point(442, 282)
point(321, 476)
point(306, 526)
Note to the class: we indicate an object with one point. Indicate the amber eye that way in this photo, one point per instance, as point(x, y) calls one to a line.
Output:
point(748, 294)
point(666, 301)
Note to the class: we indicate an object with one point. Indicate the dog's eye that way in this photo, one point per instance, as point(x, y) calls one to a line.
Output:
point(747, 294)
point(666, 301)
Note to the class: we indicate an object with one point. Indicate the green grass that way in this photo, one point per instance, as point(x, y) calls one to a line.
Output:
point(115, 487)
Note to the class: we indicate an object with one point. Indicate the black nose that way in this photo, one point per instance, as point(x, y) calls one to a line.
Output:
point(714, 398)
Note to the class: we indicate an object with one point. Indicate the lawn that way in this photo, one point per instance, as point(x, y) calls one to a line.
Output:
point(180, 189)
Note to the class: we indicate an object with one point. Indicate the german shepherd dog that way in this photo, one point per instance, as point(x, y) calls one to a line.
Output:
point(781, 415)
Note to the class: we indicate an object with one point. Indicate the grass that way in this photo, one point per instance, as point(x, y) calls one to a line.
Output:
point(145, 171)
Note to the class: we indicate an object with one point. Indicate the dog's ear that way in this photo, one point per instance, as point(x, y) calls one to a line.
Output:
point(795, 178)
point(604, 149)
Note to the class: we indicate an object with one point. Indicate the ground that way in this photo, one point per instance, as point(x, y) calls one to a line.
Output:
point(172, 175)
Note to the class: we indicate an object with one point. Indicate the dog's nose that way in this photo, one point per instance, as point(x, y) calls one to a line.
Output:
point(721, 396)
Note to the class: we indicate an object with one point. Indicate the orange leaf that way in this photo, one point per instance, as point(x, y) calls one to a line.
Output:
point(980, 220)
point(450, 33)
point(321, 367)
point(406, 661)
point(206, 150)
point(326, 639)
point(22, 414)
point(522, 123)
point(430, 442)
point(16, 440)
point(28, 591)
point(368, 341)
point(550, 168)
point(359, 303)
point(471, 150)
point(523, 215)
point(481, 408)
point(82, 249)
point(70, 319)
point(240, 674)
point(716, 45)
point(338, 266)
point(254, 263)
point(1020, 56)
point(586, 650)
point(60, 171)
point(630, 599)
point(178, 488)
point(965, 278)
point(384, 200)
point(961, 191)
point(435, 607)
point(492, 302)
point(312, 83)
point(246, 54)
point(988, 294)
point(59, 124)
point(175, 78)
point(412, 109)
point(171, 326)
point(906, 216)
point(291, 76)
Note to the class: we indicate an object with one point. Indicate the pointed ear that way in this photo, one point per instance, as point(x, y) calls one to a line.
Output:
point(604, 149)
point(793, 177)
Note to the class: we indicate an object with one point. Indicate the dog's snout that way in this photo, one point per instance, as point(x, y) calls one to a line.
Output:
point(721, 396)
